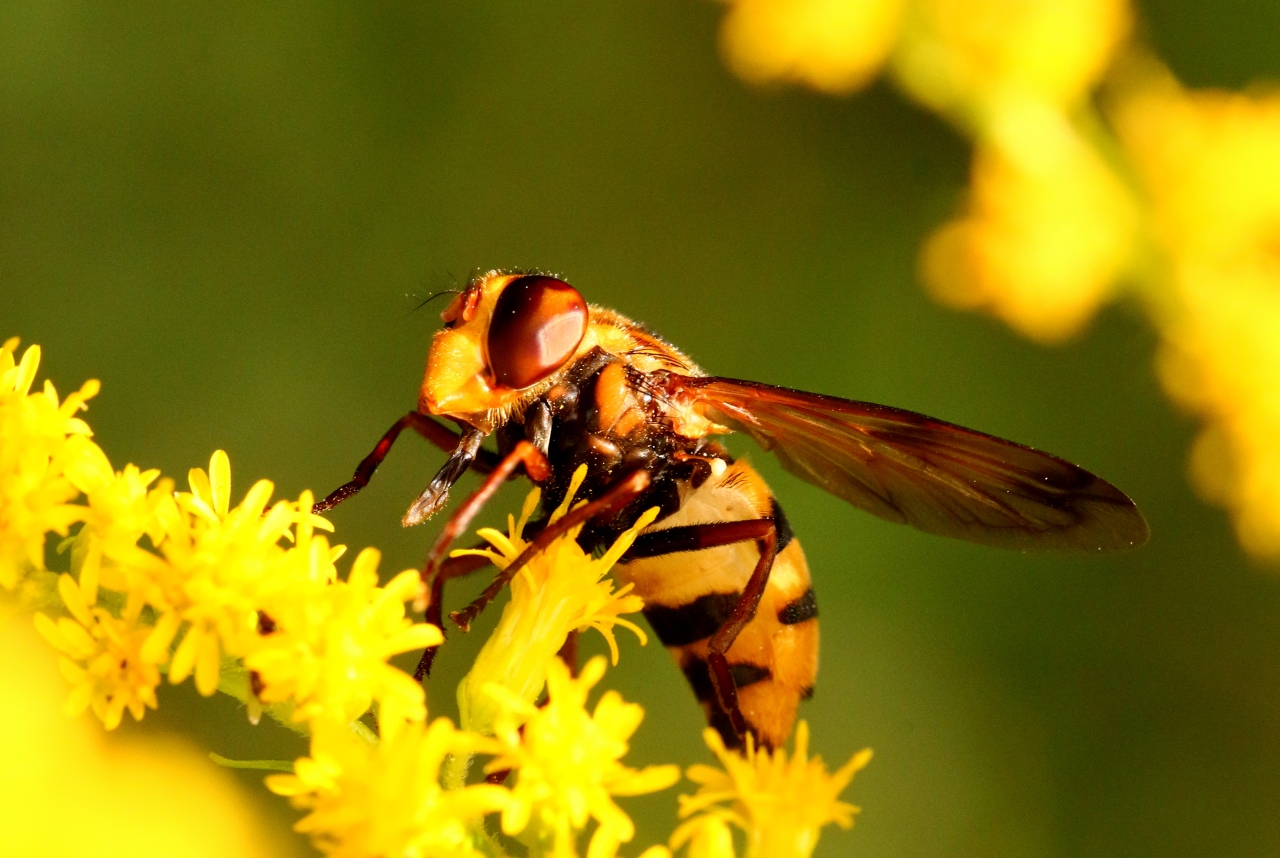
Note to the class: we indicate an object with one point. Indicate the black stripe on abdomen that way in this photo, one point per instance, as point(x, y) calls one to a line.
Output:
point(699, 676)
point(781, 526)
point(799, 610)
point(692, 622)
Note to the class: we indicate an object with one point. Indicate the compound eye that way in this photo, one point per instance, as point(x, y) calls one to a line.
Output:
point(536, 326)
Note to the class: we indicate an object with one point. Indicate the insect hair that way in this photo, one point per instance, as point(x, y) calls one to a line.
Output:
point(434, 295)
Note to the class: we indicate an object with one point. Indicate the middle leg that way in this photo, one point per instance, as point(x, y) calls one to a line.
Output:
point(618, 496)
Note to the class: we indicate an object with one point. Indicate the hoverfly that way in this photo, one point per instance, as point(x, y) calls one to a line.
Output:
point(562, 383)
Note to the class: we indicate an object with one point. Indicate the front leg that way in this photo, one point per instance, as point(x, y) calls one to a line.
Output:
point(524, 453)
point(436, 493)
point(436, 433)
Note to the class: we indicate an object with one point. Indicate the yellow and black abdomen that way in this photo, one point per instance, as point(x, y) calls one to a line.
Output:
point(688, 595)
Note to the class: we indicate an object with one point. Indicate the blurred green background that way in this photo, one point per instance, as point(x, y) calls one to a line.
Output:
point(219, 211)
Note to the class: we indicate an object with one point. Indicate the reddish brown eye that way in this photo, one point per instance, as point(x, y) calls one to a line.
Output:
point(536, 326)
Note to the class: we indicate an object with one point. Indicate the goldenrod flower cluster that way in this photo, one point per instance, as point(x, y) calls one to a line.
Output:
point(1049, 227)
point(173, 582)
point(1168, 196)
point(781, 802)
point(1209, 164)
point(246, 597)
point(39, 441)
point(567, 760)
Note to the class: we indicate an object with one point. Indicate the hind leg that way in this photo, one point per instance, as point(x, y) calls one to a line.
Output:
point(764, 533)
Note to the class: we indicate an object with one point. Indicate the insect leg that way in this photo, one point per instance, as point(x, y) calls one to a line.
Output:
point(453, 567)
point(438, 434)
point(436, 494)
point(524, 453)
point(693, 537)
point(618, 496)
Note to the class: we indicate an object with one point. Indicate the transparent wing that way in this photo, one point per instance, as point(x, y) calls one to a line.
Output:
point(935, 476)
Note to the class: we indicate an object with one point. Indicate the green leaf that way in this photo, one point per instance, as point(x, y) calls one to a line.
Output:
point(269, 765)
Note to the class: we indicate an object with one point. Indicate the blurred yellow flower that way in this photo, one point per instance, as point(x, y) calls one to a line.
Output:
point(69, 791)
point(35, 431)
point(834, 46)
point(1210, 162)
point(707, 836)
point(567, 762)
point(561, 590)
point(384, 800)
point(1041, 242)
point(782, 804)
point(1055, 223)
point(978, 59)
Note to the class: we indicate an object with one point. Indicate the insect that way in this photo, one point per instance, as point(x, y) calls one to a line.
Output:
point(561, 383)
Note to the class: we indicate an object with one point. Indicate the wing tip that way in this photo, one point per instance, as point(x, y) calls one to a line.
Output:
point(1119, 526)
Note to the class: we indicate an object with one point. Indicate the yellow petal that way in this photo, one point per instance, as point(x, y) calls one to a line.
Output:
point(208, 666)
point(27, 370)
point(155, 650)
point(220, 482)
point(184, 658)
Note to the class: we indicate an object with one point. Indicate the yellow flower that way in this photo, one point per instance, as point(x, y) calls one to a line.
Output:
point(1042, 241)
point(657, 852)
point(35, 494)
point(1048, 228)
point(1210, 162)
point(978, 59)
point(1222, 360)
point(834, 46)
point(328, 646)
point(220, 564)
point(69, 790)
point(122, 507)
point(385, 800)
point(707, 835)
point(562, 589)
point(782, 804)
point(101, 657)
point(567, 765)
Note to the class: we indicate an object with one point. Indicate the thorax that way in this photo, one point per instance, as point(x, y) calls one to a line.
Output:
point(603, 416)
